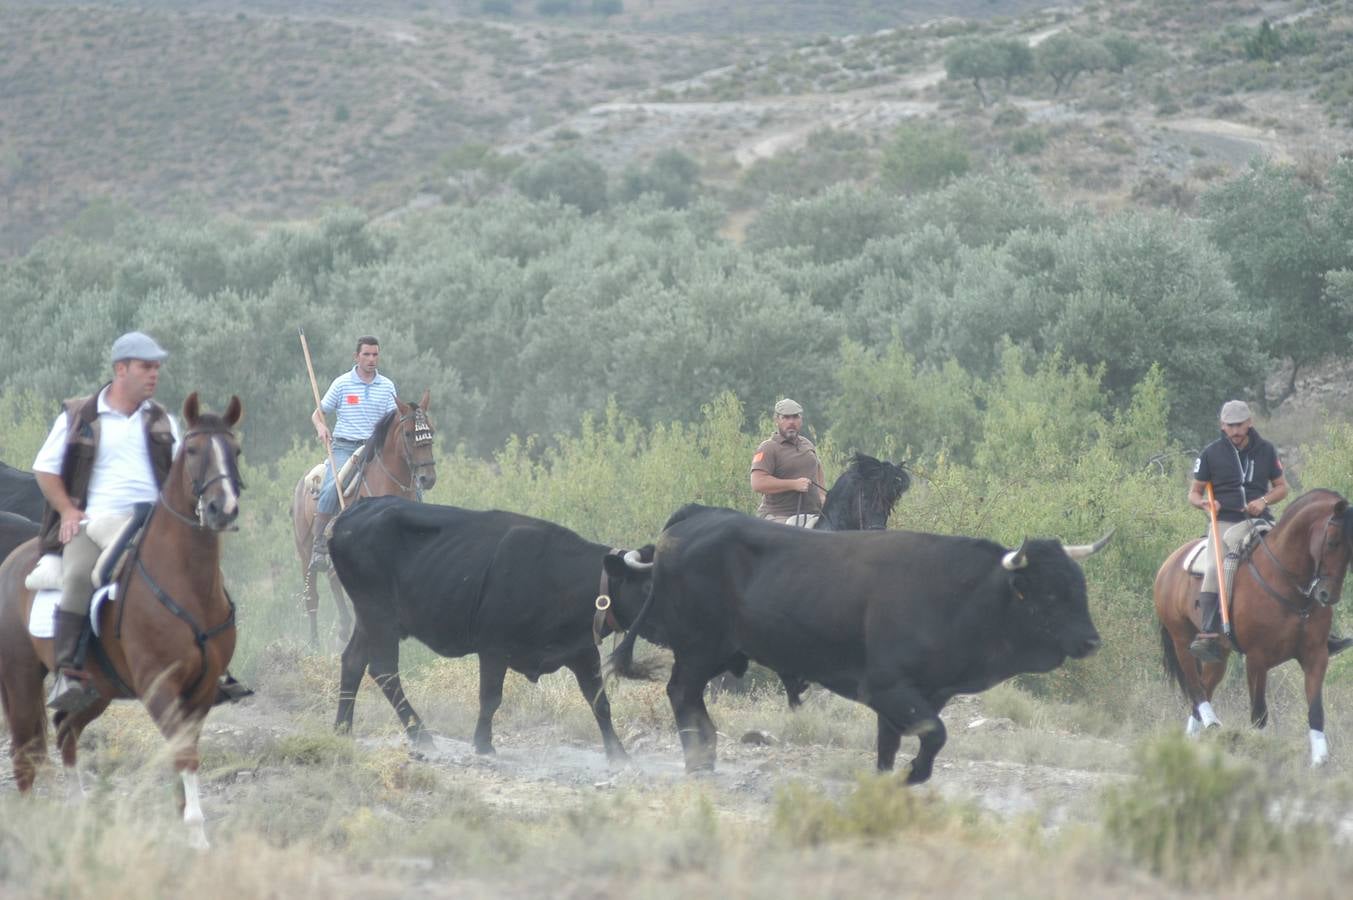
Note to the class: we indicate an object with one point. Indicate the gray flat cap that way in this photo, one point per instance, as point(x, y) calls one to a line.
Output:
point(1233, 412)
point(136, 345)
point(787, 407)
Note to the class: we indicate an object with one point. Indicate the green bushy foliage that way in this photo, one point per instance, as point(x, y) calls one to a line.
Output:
point(1284, 243)
point(827, 158)
point(672, 175)
point(877, 809)
point(922, 157)
point(1196, 817)
point(568, 177)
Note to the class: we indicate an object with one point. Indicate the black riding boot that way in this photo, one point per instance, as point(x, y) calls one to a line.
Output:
point(319, 542)
point(1207, 645)
point(71, 691)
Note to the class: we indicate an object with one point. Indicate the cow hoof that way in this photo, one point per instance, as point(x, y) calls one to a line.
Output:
point(917, 775)
point(485, 750)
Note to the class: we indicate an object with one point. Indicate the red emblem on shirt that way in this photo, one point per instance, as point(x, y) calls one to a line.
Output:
point(758, 457)
point(352, 400)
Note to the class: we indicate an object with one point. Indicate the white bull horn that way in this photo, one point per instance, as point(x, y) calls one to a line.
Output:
point(1015, 559)
point(1081, 551)
point(635, 562)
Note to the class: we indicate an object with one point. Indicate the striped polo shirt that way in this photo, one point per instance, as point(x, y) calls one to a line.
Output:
point(358, 405)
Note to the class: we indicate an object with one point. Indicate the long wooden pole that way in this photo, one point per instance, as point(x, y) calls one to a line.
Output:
point(1221, 571)
point(314, 389)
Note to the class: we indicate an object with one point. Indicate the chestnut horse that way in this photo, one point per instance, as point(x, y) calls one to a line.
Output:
point(1280, 604)
point(402, 465)
point(168, 638)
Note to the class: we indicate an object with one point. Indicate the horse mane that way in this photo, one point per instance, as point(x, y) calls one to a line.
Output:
point(382, 431)
point(1296, 507)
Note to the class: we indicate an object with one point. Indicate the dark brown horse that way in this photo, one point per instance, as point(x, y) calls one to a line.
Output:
point(402, 465)
point(168, 638)
point(1280, 609)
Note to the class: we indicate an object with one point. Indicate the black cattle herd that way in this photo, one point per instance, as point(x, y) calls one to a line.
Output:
point(899, 621)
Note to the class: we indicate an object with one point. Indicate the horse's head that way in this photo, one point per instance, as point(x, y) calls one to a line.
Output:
point(206, 467)
point(864, 495)
point(1330, 543)
point(415, 436)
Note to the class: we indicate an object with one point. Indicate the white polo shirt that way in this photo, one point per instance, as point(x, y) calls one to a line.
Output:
point(122, 475)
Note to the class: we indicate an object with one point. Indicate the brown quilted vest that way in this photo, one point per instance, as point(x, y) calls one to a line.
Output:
point(82, 443)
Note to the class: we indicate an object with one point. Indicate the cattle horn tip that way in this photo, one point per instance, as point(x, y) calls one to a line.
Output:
point(1081, 551)
point(635, 561)
point(1015, 559)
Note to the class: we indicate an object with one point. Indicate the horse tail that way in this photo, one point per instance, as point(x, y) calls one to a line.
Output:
point(1170, 660)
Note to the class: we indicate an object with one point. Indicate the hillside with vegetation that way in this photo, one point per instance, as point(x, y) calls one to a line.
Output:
point(1028, 251)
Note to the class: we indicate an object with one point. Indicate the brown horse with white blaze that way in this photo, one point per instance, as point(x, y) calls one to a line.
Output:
point(1281, 608)
point(169, 637)
point(402, 465)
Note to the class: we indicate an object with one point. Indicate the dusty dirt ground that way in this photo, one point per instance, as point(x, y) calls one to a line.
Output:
point(537, 768)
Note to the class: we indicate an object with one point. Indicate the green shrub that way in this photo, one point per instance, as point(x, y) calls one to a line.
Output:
point(1196, 817)
point(1028, 140)
point(922, 157)
point(877, 809)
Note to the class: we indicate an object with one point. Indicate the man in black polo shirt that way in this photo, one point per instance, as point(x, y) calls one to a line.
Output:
point(1247, 478)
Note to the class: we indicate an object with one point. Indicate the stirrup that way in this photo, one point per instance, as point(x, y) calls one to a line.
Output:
point(1207, 648)
point(70, 694)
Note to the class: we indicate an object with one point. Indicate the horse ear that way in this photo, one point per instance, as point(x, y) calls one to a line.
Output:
point(191, 410)
point(234, 411)
point(427, 398)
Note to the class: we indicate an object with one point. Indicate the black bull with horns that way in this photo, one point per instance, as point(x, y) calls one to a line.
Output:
point(900, 621)
point(521, 592)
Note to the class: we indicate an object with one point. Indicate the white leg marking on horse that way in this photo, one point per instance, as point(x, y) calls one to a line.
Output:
point(75, 786)
point(1208, 717)
point(192, 811)
point(1320, 748)
point(1193, 727)
point(218, 454)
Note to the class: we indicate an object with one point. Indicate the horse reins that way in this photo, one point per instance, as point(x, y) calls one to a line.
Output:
point(200, 635)
point(1309, 592)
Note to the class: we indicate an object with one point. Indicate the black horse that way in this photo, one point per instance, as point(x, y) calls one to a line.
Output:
point(19, 493)
point(863, 496)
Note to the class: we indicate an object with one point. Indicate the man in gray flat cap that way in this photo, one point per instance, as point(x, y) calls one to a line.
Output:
point(106, 452)
point(785, 469)
point(1247, 479)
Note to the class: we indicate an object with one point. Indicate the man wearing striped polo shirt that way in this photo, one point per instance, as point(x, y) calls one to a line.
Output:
point(359, 399)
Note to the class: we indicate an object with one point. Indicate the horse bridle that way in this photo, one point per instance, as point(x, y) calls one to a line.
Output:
point(1312, 593)
point(201, 482)
point(200, 635)
point(422, 437)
